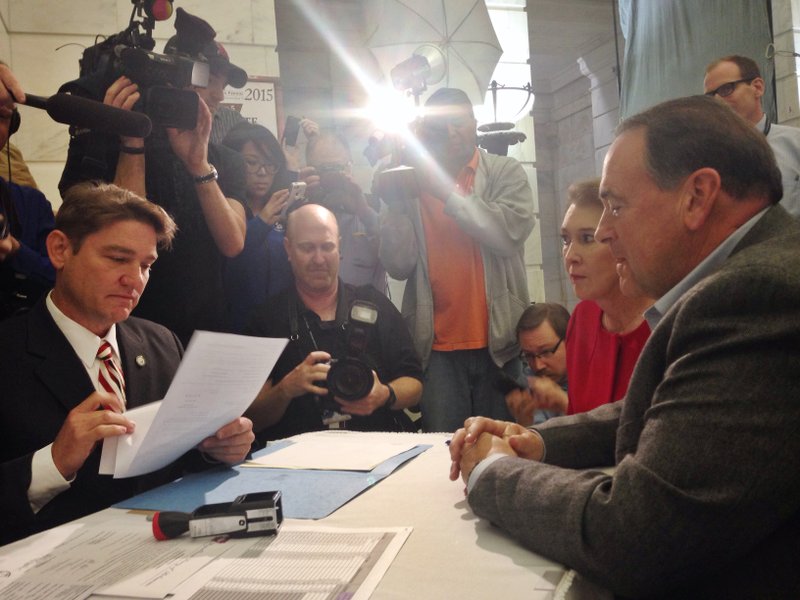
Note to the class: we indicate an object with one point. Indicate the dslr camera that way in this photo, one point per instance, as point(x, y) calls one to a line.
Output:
point(350, 378)
point(398, 185)
point(335, 191)
point(161, 77)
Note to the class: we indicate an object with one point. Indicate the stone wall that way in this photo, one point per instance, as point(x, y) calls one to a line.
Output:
point(575, 120)
point(576, 113)
point(786, 32)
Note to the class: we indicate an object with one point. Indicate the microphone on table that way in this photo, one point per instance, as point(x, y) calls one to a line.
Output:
point(91, 114)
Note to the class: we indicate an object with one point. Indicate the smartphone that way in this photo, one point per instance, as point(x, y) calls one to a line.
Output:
point(297, 195)
point(290, 130)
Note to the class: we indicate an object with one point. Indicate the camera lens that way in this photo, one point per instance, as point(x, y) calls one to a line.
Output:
point(349, 379)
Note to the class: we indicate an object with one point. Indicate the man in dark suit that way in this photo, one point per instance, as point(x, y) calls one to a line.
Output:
point(54, 405)
point(705, 498)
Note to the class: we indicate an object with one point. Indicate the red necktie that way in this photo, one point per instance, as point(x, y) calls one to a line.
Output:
point(110, 376)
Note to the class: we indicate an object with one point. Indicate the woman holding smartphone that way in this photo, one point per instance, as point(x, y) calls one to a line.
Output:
point(262, 269)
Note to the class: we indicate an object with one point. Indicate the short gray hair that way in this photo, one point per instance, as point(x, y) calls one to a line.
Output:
point(687, 134)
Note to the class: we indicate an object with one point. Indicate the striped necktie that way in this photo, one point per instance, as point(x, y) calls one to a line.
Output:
point(110, 376)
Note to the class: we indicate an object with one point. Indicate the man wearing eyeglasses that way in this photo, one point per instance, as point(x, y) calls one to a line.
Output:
point(332, 186)
point(736, 80)
point(541, 332)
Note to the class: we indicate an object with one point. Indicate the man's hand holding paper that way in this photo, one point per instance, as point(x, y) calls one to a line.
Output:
point(218, 378)
point(231, 443)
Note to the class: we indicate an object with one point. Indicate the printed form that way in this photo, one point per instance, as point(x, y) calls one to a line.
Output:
point(218, 378)
point(301, 561)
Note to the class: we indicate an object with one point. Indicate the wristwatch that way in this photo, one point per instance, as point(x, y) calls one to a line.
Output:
point(210, 176)
point(392, 399)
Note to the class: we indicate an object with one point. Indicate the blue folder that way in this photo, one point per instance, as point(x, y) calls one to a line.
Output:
point(306, 494)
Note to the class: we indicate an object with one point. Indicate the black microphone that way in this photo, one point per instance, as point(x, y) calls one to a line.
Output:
point(83, 112)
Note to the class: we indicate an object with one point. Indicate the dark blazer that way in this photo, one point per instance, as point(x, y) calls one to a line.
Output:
point(41, 380)
point(705, 499)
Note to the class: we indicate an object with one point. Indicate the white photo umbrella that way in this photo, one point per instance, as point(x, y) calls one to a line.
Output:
point(460, 29)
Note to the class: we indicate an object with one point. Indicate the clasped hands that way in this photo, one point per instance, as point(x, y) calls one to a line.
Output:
point(481, 437)
point(542, 394)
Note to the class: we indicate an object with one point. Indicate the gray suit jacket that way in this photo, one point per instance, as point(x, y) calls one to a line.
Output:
point(705, 499)
point(41, 380)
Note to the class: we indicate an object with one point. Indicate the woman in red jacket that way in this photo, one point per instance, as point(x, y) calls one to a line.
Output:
point(607, 330)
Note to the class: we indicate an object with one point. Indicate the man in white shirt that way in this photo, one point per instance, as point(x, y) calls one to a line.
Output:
point(59, 396)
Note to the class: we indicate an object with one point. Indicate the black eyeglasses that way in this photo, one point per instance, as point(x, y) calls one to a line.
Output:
point(256, 166)
point(726, 89)
point(529, 357)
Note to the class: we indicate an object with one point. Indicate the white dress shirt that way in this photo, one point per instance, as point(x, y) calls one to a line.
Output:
point(46, 480)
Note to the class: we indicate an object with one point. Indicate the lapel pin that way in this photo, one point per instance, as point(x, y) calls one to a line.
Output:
point(140, 360)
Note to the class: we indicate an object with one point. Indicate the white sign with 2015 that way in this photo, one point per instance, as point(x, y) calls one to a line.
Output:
point(256, 102)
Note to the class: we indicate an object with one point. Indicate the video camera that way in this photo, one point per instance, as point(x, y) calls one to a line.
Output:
point(161, 77)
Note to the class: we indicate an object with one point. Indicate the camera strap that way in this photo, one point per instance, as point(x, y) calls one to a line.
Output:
point(294, 328)
point(295, 335)
point(330, 417)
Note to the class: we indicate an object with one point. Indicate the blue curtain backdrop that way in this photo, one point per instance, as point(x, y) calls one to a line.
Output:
point(668, 44)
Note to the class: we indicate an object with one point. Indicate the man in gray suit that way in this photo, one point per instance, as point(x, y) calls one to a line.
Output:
point(59, 398)
point(705, 498)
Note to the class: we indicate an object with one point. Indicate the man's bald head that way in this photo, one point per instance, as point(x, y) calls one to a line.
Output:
point(310, 216)
point(312, 245)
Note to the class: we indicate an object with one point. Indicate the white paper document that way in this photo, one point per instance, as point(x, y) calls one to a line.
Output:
point(111, 560)
point(120, 560)
point(218, 378)
point(28, 552)
point(304, 562)
point(334, 451)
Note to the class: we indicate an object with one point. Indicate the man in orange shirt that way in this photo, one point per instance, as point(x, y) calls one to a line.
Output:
point(460, 245)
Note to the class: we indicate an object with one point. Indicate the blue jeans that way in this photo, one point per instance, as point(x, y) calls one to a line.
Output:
point(461, 384)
